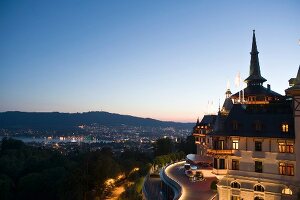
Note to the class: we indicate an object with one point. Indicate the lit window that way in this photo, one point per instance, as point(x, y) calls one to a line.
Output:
point(281, 147)
point(235, 198)
point(282, 168)
point(220, 144)
point(235, 185)
point(286, 147)
point(290, 169)
point(285, 128)
point(290, 148)
point(287, 191)
point(235, 165)
point(259, 188)
point(286, 169)
point(235, 144)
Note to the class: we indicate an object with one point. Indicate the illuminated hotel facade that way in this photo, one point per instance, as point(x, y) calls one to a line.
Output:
point(254, 140)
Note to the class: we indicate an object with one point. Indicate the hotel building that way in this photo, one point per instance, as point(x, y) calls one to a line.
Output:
point(254, 140)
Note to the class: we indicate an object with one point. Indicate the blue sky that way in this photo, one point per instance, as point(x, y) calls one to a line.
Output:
point(159, 59)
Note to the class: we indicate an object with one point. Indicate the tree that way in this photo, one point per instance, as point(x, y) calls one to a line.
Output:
point(163, 146)
point(188, 145)
point(5, 187)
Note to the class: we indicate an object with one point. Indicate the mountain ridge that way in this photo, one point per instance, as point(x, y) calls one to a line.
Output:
point(60, 120)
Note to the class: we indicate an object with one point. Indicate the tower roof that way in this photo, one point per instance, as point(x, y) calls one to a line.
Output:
point(228, 92)
point(254, 75)
point(295, 89)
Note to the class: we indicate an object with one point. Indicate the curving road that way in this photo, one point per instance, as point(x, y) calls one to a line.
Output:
point(190, 190)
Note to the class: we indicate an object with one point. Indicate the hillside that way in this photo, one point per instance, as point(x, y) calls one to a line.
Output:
point(62, 121)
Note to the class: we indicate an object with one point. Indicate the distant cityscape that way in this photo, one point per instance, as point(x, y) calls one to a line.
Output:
point(96, 136)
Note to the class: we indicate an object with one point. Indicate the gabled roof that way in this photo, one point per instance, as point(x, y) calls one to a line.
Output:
point(270, 116)
point(295, 89)
point(208, 119)
point(257, 90)
point(227, 105)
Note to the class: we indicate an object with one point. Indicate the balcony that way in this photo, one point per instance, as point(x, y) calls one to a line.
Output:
point(286, 156)
point(199, 134)
point(265, 175)
point(220, 151)
point(258, 154)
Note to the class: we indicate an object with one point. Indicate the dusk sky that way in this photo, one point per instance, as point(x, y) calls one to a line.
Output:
point(159, 59)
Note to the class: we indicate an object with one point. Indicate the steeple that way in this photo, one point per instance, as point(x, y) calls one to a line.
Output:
point(295, 89)
point(255, 77)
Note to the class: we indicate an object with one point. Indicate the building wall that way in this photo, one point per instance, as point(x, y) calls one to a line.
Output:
point(297, 136)
point(246, 192)
point(270, 178)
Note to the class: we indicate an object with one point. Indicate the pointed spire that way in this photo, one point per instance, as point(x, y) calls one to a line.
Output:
point(255, 77)
point(198, 120)
point(295, 89)
point(254, 46)
point(297, 81)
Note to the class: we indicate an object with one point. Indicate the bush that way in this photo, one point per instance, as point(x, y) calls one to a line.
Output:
point(213, 185)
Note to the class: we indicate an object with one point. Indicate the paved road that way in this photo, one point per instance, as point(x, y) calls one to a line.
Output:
point(190, 190)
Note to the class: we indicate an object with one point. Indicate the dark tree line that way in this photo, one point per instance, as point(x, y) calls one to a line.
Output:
point(28, 172)
point(34, 173)
point(165, 146)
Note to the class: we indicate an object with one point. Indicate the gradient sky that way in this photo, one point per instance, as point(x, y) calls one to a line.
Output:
point(160, 59)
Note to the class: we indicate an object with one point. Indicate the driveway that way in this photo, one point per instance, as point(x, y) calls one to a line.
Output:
point(199, 190)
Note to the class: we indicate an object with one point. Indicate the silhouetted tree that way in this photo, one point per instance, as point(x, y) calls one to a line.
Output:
point(163, 146)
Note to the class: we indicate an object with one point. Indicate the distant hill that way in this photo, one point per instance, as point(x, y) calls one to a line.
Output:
point(63, 121)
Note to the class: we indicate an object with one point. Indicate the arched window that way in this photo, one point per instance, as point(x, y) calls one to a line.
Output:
point(287, 191)
point(235, 185)
point(259, 188)
point(258, 198)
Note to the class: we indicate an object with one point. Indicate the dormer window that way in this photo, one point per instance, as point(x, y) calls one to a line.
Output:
point(235, 125)
point(285, 127)
point(258, 126)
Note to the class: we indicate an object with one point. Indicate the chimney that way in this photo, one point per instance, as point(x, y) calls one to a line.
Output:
point(269, 87)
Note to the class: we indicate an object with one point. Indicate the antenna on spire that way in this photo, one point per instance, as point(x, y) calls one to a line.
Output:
point(228, 85)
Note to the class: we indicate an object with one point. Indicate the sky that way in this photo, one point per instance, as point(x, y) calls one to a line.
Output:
point(168, 60)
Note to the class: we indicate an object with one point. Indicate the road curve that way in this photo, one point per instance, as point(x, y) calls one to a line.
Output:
point(190, 190)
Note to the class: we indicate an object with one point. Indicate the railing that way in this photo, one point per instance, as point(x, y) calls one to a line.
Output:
point(215, 197)
point(283, 179)
point(171, 183)
point(144, 191)
point(220, 151)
